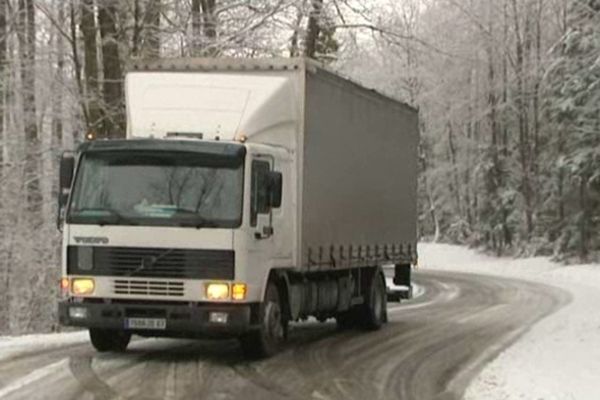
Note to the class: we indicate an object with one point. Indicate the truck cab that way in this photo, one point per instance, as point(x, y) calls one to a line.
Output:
point(171, 223)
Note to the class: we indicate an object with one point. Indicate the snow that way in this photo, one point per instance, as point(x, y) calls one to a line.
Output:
point(13, 346)
point(35, 376)
point(559, 358)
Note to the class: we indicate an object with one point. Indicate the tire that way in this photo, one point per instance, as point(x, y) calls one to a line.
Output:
point(268, 340)
point(347, 319)
point(105, 340)
point(375, 309)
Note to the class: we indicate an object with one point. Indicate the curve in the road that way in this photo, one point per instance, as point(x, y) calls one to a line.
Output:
point(431, 349)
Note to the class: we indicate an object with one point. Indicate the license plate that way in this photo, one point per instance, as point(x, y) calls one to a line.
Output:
point(146, 323)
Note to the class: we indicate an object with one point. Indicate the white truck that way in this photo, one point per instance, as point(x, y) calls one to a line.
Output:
point(248, 194)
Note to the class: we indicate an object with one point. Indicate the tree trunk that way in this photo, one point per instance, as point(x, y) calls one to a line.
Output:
point(468, 170)
point(92, 91)
point(505, 81)
point(294, 41)
point(536, 88)
point(77, 70)
point(583, 218)
point(495, 179)
point(196, 28)
point(4, 279)
point(455, 187)
point(3, 60)
point(561, 141)
point(57, 102)
point(151, 29)
point(522, 114)
point(114, 121)
point(136, 36)
point(209, 27)
point(26, 21)
point(313, 29)
point(429, 192)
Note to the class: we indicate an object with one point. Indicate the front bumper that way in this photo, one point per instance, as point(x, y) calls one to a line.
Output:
point(182, 320)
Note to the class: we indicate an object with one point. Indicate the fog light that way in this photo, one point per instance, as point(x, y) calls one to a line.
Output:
point(217, 291)
point(238, 291)
point(78, 312)
point(218, 317)
point(82, 286)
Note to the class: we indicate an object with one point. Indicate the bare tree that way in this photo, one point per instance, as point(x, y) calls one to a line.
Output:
point(57, 104)
point(92, 91)
point(4, 276)
point(151, 29)
point(3, 60)
point(114, 122)
point(27, 45)
point(196, 27)
point(209, 25)
point(313, 28)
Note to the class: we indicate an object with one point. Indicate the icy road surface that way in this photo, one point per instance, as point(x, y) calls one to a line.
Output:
point(431, 349)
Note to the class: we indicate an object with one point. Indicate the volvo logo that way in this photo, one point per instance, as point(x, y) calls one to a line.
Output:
point(91, 240)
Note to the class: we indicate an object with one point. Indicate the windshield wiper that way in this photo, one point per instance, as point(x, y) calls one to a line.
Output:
point(196, 220)
point(101, 220)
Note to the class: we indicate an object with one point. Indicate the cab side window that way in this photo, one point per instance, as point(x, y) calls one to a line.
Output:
point(259, 194)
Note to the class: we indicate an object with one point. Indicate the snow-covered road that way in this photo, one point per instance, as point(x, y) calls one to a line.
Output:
point(559, 358)
point(432, 349)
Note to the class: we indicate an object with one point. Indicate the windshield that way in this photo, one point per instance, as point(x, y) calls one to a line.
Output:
point(158, 188)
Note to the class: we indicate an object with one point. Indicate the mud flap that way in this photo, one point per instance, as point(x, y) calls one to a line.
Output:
point(402, 275)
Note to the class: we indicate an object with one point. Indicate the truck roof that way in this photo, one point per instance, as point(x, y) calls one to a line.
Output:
point(206, 64)
point(256, 100)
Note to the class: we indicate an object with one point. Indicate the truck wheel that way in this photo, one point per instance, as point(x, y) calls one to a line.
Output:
point(105, 340)
point(267, 341)
point(347, 319)
point(375, 309)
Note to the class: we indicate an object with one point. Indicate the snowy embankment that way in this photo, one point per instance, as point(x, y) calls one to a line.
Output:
point(559, 358)
point(11, 346)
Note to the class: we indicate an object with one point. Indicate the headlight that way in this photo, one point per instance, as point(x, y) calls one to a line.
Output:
point(238, 291)
point(217, 291)
point(82, 286)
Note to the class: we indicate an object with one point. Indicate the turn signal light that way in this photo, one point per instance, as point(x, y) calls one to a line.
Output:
point(64, 285)
point(238, 291)
point(82, 286)
point(217, 291)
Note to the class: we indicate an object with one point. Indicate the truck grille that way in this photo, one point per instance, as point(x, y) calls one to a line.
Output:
point(156, 263)
point(148, 288)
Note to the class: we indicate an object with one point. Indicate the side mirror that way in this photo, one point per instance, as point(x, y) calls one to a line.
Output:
point(65, 178)
point(275, 189)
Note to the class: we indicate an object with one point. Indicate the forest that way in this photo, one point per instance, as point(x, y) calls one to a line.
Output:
point(508, 93)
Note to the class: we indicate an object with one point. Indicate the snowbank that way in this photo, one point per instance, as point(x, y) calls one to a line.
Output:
point(12, 346)
point(559, 359)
